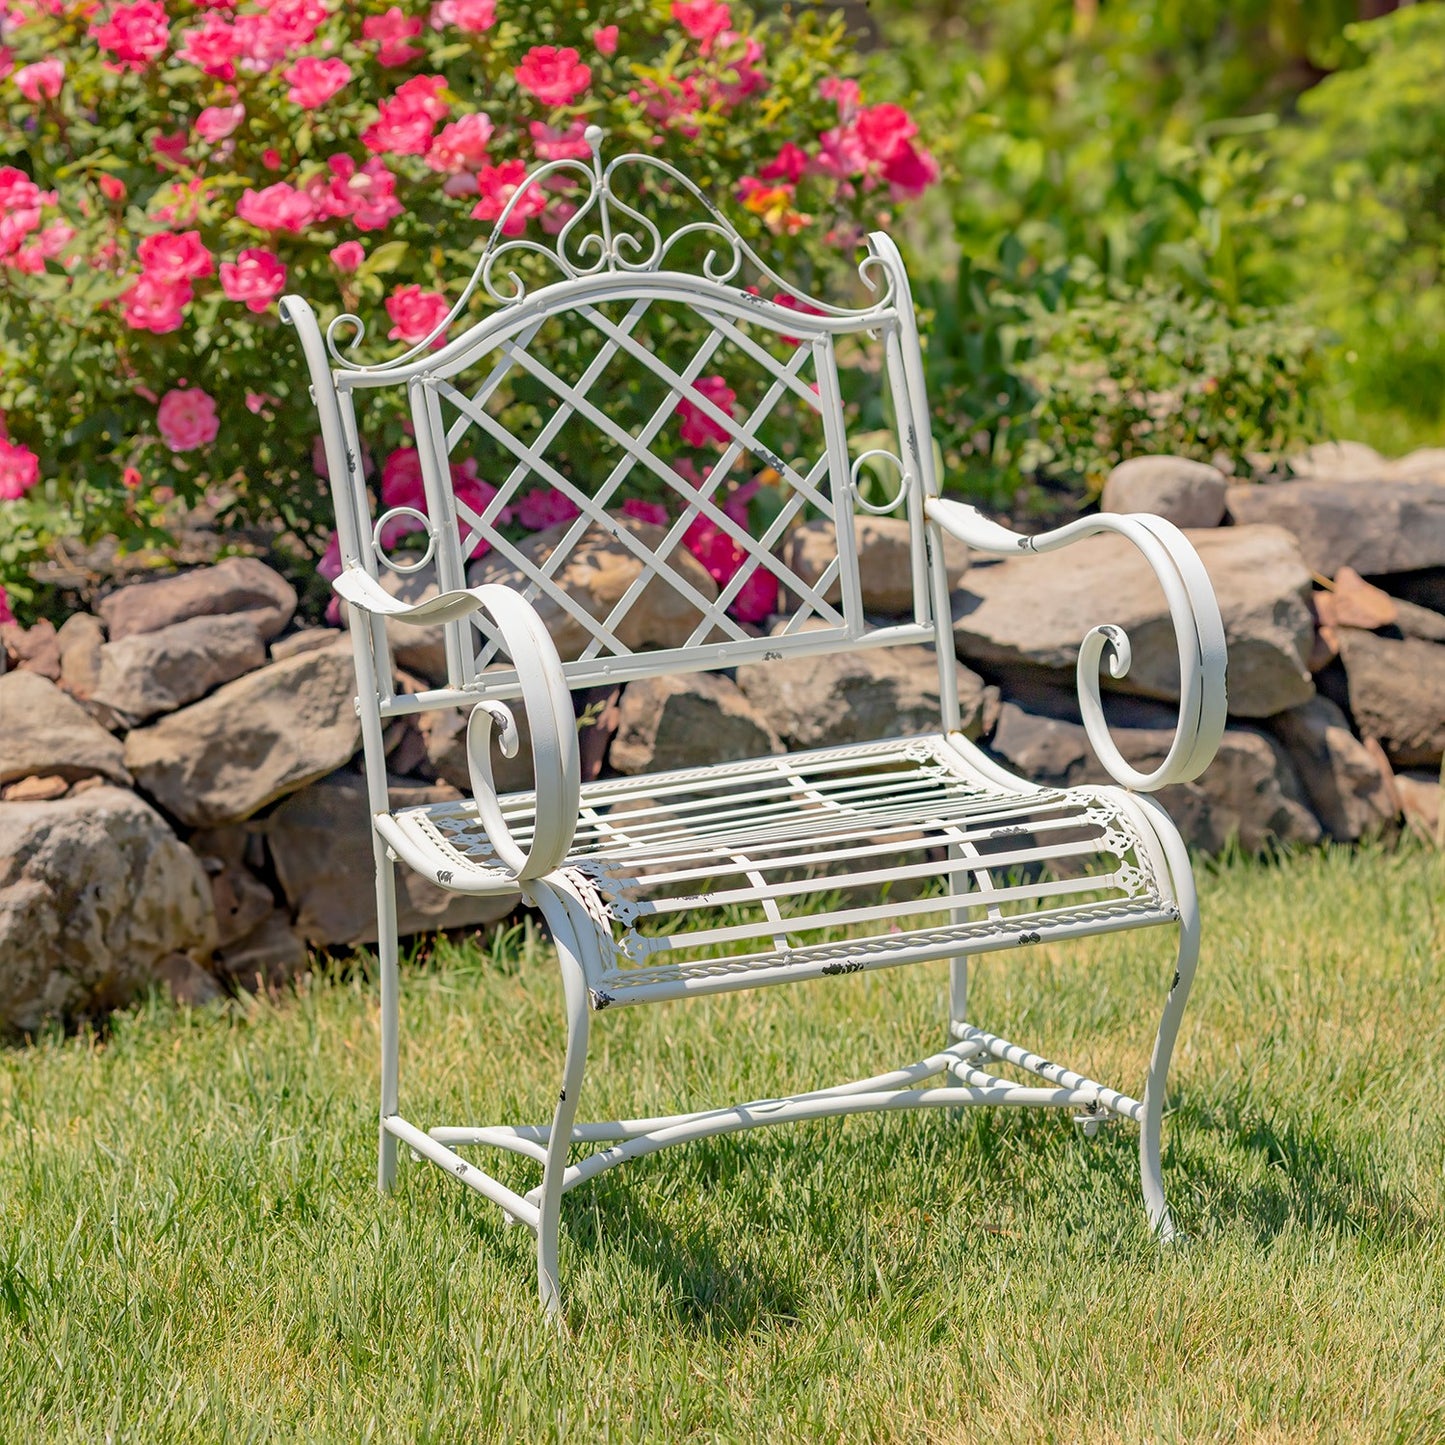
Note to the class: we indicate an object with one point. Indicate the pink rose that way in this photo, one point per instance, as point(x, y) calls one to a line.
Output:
point(560, 145)
point(187, 419)
point(405, 122)
point(554, 76)
point(170, 257)
point(155, 305)
point(704, 20)
point(653, 512)
point(330, 564)
point(542, 507)
point(497, 185)
point(366, 194)
point(111, 187)
point(416, 314)
point(401, 483)
point(882, 129)
point(6, 615)
point(277, 208)
point(393, 29)
point(213, 47)
point(216, 122)
point(757, 598)
point(845, 93)
point(40, 81)
point(348, 256)
point(605, 39)
point(788, 166)
point(313, 82)
point(909, 172)
point(462, 145)
point(169, 150)
point(472, 16)
point(256, 277)
point(698, 427)
point(136, 34)
point(19, 471)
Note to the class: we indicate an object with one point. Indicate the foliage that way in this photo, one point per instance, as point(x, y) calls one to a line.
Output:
point(1128, 371)
point(192, 1248)
point(173, 168)
point(1364, 172)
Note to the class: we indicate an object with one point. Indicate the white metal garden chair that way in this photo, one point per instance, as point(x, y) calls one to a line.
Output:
point(697, 882)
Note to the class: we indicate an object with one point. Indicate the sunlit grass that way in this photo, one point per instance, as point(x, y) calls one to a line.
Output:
point(191, 1248)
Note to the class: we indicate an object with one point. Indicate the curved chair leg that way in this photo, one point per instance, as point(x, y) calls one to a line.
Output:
point(1150, 1166)
point(559, 1140)
point(387, 949)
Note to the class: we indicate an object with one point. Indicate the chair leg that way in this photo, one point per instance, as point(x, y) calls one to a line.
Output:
point(387, 948)
point(559, 1139)
point(1150, 1164)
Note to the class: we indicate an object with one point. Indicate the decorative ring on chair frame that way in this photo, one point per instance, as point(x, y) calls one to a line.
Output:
point(405, 568)
point(904, 481)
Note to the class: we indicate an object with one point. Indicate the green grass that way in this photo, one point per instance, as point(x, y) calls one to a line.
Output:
point(191, 1248)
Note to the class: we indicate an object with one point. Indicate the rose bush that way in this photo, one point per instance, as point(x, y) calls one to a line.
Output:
point(167, 170)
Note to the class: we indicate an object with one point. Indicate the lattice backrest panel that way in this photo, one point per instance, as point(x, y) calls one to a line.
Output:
point(659, 460)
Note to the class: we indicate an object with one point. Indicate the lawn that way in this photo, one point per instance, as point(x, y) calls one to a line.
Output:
point(191, 1248)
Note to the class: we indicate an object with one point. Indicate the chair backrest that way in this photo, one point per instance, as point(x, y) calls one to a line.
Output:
point(672, 422)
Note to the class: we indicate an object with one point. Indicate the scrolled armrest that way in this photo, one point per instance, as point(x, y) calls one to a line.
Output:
point(1193, 609)
point(556, 763)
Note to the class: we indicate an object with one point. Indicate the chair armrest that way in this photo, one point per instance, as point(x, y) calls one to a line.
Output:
point(1193, 609)
point(556, 763)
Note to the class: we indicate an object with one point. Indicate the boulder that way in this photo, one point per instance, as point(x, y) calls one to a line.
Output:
point(37, 789)
point(30, 649)
point(320, 842)
point(155, 672)
point(1347, 790)
point(1250, 791)
point(269, 955)
point(885, 559)
point(1427, 464)
point(1352, 461)
point(239, 584)
point(95, 892)
point(43, 732)
point(850, 697)
point(1397, 694)
point(1420, 796)
point(596, 574)
point(683, 722)
point(308, 639)
point(1416, 621)
point(421, 650)
point(1187, 493)
point(79, 642)
point(252, 741)
point(1036, 610)
point(1391, 527)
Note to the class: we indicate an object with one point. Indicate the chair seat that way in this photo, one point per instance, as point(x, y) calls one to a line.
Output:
point(817, 863)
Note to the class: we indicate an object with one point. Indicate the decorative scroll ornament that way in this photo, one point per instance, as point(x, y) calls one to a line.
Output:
point(608, 234)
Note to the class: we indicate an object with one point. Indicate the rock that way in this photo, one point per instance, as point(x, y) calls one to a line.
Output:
point(1345, 787)
point(1397, 694)
point(597, 573)
point(1187, 493)
point(35, 790)
point(190, 985)
point(253, 741)
point(240, 899)
point(269, 955)
point(1420, 796)
point(1355, 603)
point(885, 560)
point(239, 584)
point(850, 697)
point(31, 649)
point(43, 732)
point(156, 672)
point(682, 722)
point(1351, 460)
point(308, 639)
point(421, 650)
point(95, 892)
point(1392, 527)
point(1421, 622)
point(1036, 609)
point(1250, 791)
point(1425, 465)
point(320, 841)
point(79, 642)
